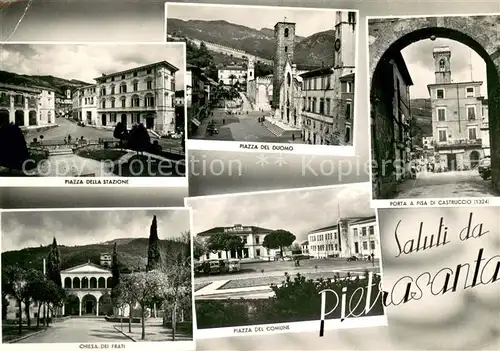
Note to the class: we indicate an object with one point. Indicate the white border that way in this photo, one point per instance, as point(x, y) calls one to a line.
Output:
point(418, 202)
point(266, 147)
point(132, 181)
point(293, 327)
point(189, 345)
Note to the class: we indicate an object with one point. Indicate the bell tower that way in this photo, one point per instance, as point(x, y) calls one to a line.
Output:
point(284, 36)
point(251, 69)
point(345, 39)
point(442, 64)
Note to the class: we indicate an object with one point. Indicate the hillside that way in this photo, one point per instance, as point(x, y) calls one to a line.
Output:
point(421, 126)
point(312, 50)
point(58, 84)
point(132, 254)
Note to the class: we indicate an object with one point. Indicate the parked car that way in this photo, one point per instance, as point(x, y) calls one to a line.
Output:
point(234, 266)
point(484, 168)
point(214, 266)
point(352, 258)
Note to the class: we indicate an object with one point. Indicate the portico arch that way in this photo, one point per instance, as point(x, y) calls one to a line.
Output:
point(109, 283)
point(67, 283)
point(387, 38)
point(101, 284)
point(85, 283)
point(105, 305)
point(4, 117)
point(93, 283)
point(72, 305)
point(89, 305)
point(19, 118)
point(32, 118)
point(76, 283)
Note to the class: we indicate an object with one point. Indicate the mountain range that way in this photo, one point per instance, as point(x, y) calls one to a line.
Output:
point(132, 254)
point(56, 83)
point(314, 50)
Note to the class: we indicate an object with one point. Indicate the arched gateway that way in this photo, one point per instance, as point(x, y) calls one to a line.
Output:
point(89, 287)
point(387, 37)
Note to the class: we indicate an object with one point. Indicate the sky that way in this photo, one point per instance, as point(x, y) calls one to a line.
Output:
point(298, 211)
point(88, 61)
point(308, 22)
point(31, 229)
point(89, 20)
point(420, 62)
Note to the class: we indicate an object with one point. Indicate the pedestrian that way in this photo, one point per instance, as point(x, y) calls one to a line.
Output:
point(293, 137)
point(69, 139)
point(65, 140)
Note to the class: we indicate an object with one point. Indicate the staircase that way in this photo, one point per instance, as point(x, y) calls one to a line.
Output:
point(273, 128)
point(60, 152)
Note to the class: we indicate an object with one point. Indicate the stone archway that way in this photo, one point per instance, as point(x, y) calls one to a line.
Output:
point(474, 159)
point(67, 283)
point(105, 305)
point(72, 305)
point(19, 118)
point(4, 117)
point(89, 305)
point(101, 283)
point(387, 37)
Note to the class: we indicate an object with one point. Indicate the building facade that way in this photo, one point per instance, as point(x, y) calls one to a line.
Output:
point(27, 106)
point(230, 75)
point(390, 123)
point(349, 237)
point(485, 129)
point(252, 237)
point(196, 97)
point(305, 247)
point(85, 105)
point(143, 94)
point(328, 92)
point(64, 103)
point(456, 116)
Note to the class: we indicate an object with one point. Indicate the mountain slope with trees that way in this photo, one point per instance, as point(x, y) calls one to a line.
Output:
point(313, 50)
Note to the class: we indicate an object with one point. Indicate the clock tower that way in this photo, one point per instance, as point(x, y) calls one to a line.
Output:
point(345, 39)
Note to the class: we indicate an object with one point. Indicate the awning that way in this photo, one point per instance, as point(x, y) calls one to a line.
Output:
point(195, 121)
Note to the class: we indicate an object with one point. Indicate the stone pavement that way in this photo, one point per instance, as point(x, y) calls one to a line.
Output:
point(446, 185)
point(154, 331)
point(78, 330)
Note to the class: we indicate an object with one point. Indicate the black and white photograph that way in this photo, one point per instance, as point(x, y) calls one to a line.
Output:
point(107, 110)
point(268, 78)
point(434, 96)
point(97, 278)
point(260, 263)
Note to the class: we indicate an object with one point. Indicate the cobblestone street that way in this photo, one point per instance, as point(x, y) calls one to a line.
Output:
point(448, 184)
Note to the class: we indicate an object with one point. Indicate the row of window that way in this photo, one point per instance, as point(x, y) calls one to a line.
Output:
point(327, 247)
point(364, 231)
point(123, 87)
point(471, 113)
point(325, 83)
point(135, 74)
point(469, 92)
point(310, 104)
point(149, 101)
point(444, 134)
point(321, 237)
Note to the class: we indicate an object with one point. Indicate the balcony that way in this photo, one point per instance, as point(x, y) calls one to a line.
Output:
point(457, 144)
point(119, 109)
point(317, 116)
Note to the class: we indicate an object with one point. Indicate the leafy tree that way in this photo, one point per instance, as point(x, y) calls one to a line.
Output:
point(296, 249)
point(54, 264)
point(234, 242)
point(154, 252)
point(139, 139)
point(262, 70)
point(144, 287)
point(12, 139)
point(126, 298)
point(278, 239)
point(33, 280)
point(120, 132)
point(14, 284)
point(232, 77)
point(199, 248)
point(224, 242)
point(115, 279)
point(177, 273)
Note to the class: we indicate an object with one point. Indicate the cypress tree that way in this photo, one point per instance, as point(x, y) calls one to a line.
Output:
point(115, 271)
point(54, 264)
point(154, 256)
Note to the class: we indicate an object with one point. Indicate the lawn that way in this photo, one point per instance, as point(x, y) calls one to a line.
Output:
point(146, 166)
point(199, 286)
point(10, 331)
point(102, 155)
point(268, 280)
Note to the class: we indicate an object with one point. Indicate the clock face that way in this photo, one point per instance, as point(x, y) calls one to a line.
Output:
point(337, 44)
